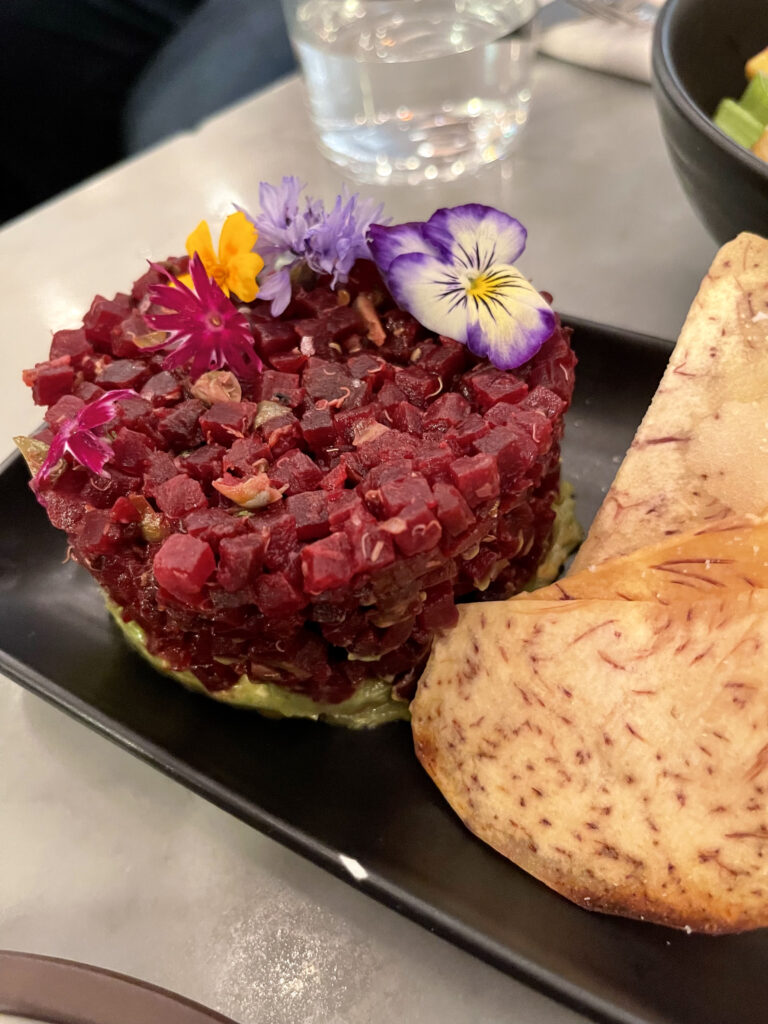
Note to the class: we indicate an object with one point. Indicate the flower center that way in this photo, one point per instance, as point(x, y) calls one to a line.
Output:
point(219, 274)
point(214, 320)
point(481, 287)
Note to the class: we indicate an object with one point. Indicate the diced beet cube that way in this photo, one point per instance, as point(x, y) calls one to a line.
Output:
point(317, 429)
point(368, 366)
point(240, 559)
point(406, 417)
point(315, 301)
point(180, 426)
point(514, 449)
point(204, 464)
point(452, 510)
point(446, 359)
point(310, 510)
point(390, 395)
point(123, 338)
point(342, 505)
point(179, 496)
point(297, 471)
point(477, 477)
point(131, 450)
point(488, 386)
point(97, 534)
point(50, 381)
point(282, 433)
point(288, 362)
point(274, 336)
point(327, 563)
point(394, 495)
point(144, 283)
point(161, 468)
point(336, 478)
point(481, 566)
point(278, 528)
point(348, 422)
point(541, 399)
point(70, 343)
point(463, 437)
point(226, 421)
point(124, 511)
point(103, 315)
point(552, 366)
point(342, 322)
point(213, 525)
point(372, 547)
point(64, 409)
point(419, 385)
point(447, 411)
point(123, 373)
point(244, 455)
point(162, 389)
point(325, 381)
point(276, 597)
point(414, 529)
point(440, 611)
point(183, 565)
point(435, 463)
point(87, 391)
point(280, 387)
point(135, 413)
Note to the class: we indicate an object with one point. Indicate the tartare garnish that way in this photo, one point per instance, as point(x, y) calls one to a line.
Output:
point(77, 436)
point(236, 266)
point(203, 327)
point(455, 274)
point(291, 234)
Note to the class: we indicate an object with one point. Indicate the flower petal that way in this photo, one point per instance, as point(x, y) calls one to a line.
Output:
point(277, 287)
point(242, 271)
point(387, 243)
point(237, 236)
point(200, 242)
point(430, 291)
point(475, 236)
point(104, 409)
point(89, 450)
point(509, 320)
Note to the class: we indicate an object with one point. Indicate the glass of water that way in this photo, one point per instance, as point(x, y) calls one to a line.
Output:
point(415, 90)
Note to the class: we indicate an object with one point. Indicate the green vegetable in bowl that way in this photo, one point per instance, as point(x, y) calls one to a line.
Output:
point(746, 120)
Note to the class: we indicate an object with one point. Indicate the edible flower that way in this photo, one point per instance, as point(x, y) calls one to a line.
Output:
point(291, 234)
point(204, 328)
point(78, 436)
point(455, 274)
point(236, 267)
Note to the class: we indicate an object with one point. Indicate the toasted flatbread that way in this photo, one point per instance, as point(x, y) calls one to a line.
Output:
point(701, 452)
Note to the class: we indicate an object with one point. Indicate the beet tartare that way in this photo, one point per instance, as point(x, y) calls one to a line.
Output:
point(292, 536)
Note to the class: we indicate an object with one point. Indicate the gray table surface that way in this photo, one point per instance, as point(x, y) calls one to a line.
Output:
point(102, 859)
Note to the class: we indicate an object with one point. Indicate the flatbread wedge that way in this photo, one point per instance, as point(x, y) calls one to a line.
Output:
point(616, 750)
point(701, 452)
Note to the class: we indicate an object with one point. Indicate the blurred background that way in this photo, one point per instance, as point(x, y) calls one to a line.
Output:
point(88, 82)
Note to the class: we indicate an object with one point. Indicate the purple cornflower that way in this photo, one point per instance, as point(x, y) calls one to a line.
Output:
point(329, 243)
point(77, 436)
point(204, 329)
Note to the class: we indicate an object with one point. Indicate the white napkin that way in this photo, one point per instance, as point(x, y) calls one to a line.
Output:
point(612, 47)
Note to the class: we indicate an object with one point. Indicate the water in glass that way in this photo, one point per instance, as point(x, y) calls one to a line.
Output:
point(410, 90)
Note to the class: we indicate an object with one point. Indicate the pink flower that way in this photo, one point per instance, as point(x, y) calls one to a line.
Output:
point(204, 329)
point(77, 436)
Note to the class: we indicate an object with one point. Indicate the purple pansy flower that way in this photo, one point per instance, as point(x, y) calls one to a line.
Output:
point(204, 329)
point(289, 233)
point(455, 274)
point(78, 437)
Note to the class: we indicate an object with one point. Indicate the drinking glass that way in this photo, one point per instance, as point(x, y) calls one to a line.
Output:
point(413, 90)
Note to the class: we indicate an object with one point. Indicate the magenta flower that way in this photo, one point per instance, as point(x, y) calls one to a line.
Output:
point(77, 436)
point(204, 328)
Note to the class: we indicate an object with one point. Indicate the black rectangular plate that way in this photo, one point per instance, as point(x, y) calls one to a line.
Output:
point(324, 791)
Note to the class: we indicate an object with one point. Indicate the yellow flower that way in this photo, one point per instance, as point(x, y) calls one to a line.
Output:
point(236, 267)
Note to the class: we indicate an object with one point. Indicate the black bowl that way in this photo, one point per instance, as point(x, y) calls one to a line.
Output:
point(699, 51)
